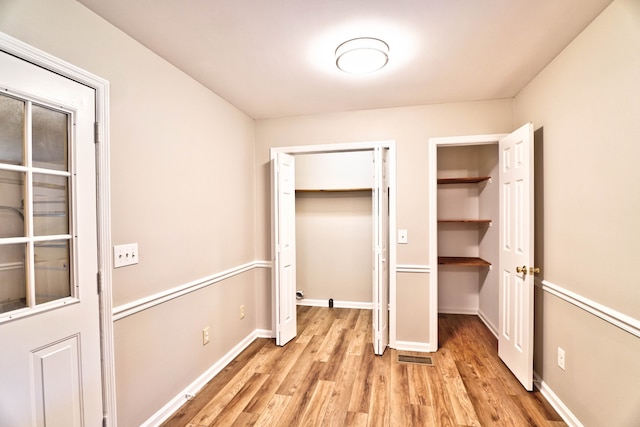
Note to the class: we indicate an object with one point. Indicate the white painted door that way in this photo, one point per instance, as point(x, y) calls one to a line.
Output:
point(515, 341)
point(284, 245)
point(50, 372)
point(380, 251)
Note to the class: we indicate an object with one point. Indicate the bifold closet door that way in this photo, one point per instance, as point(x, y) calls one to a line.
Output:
point(283, 205)
point(380, 251)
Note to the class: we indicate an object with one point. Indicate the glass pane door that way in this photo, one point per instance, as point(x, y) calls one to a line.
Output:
point(35, 201)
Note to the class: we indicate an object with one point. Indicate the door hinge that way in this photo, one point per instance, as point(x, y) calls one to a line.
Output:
point(96, 132)
point(99, 283)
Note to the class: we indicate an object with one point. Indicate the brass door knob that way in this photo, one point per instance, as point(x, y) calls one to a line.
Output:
point(522, 269)
point(534, 270)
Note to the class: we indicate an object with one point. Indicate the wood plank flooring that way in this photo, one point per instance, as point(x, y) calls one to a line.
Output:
point(329, 376)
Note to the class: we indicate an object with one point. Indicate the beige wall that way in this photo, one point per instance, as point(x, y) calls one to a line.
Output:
point(587, 104)
point(411, 128)
point(182, 187)
point(333, 246)
point(334, 229)
point(189, 185)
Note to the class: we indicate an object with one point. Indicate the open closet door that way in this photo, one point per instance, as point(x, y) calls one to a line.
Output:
point(380, 250)
point(515, 341)
point(283, 251)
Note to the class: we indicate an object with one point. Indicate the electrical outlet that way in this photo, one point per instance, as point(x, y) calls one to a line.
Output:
point(561, 358)
point(205, 336)
point(242, 311)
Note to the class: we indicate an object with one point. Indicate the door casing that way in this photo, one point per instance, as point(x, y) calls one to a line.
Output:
point(365, 146)
point(101, 86)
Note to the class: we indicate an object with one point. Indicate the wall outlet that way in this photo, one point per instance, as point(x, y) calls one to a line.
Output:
point(561, 358)
point(205, 336)
point(242, 311)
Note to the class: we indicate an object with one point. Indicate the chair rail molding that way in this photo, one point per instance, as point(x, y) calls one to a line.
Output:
point(621, 320)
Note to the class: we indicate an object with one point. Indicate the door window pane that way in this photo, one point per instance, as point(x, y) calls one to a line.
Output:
point(11, 204)
point(11, 130)
point(50, 138)
point(52, 277)
point(50, 205)
point(34, 203)
point(13, 286)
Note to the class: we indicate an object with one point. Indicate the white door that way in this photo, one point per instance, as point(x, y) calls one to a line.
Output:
point(515, 341)
point(380, 251)
point(49, 315)
point(284, 245)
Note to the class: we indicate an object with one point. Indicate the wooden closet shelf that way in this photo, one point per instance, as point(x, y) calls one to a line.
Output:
point(466, 180)
point(463, 261)
point(329, 190)
point(471, 221)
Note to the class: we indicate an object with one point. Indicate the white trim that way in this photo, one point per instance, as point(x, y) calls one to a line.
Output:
point(413, 268)
point(413, 346)
point(458, 310)
point(622, 321)
point(554, 400)
point(459, 141)
point(365, 146)
point(487, 323)
point(432, 186)
point(263, 264)
point(11, 265)
point(128, 309)
point(101, 87)
point(265, 333)
point(336, 304)
point(187, 393)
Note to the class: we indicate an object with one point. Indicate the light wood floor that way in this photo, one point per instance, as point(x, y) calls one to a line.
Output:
point(329, 376)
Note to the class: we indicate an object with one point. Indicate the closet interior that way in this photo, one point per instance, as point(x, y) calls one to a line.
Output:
point(468, 215)
point(334, 226)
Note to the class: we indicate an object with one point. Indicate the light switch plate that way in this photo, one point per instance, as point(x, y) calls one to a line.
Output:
point(124, 255)
point(403, 237)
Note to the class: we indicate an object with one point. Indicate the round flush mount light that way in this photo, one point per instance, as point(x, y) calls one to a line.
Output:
point(362, 55)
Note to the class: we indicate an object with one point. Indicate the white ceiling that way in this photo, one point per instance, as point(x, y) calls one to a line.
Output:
point(275, 58)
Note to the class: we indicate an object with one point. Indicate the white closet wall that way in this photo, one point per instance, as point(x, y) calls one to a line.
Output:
point(468, 289)
point(334, 228)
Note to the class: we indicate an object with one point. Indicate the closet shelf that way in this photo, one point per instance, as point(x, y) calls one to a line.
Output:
point(463, 261)
point(330, 190)
point(464, 221)
point(465, 180)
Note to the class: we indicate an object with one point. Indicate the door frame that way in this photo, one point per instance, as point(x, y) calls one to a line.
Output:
point(366, 146)
point(103, 209)
point(434, 144)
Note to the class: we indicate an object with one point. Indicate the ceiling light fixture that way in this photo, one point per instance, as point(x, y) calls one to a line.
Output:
point(362, 55)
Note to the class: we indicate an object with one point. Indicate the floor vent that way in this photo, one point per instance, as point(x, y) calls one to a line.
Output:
point(418, 360)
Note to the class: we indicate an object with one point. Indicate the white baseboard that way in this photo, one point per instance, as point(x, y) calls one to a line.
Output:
point(265, 333)
point(187, 394)
point(487, 323)
point(558, 405)
point(414, 346)
point(461, 310)
point(336, 304)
